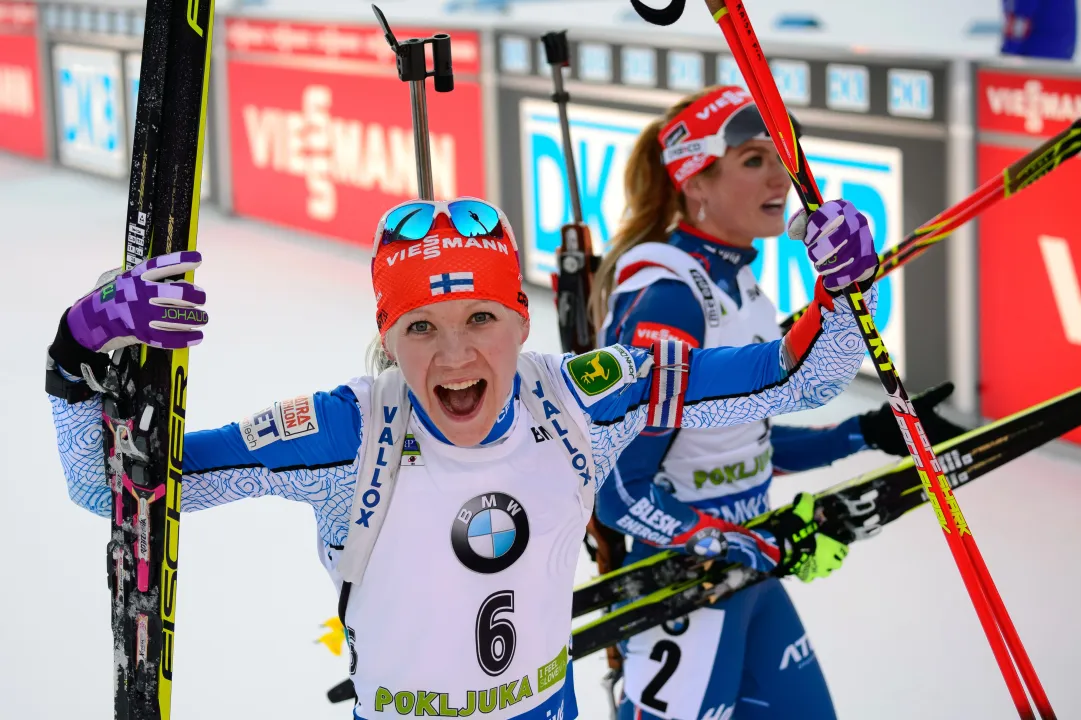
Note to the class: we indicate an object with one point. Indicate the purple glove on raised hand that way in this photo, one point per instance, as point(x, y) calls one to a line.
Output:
point(141, 306)
point(838, 242)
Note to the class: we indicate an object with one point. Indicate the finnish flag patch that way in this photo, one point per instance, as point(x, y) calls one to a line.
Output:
point(451, 283)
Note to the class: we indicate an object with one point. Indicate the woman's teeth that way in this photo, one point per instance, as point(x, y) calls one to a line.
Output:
point(460, 385)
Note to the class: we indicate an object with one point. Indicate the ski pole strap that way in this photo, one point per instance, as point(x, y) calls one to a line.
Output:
point(671, 362)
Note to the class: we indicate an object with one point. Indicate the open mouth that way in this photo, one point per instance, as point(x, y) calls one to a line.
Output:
point(461, 400)
point(774, 207)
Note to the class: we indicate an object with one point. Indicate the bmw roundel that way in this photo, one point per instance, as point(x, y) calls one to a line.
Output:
point(490, 532)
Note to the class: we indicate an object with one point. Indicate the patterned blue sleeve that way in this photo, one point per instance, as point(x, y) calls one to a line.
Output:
point(724, 386)
point(309, 458)
point(78, 438)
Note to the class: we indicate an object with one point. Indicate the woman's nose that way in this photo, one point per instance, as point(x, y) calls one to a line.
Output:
point(454, 349)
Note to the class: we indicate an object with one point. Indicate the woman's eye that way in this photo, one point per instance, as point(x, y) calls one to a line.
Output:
point(478, 318)
point(419, 326)
point(753, 161)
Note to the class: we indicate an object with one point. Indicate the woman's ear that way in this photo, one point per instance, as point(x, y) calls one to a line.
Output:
point(525, 330)
point(692, 189)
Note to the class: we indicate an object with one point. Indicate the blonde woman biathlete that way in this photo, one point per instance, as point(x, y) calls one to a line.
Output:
point(702, 183)
point(466, 457)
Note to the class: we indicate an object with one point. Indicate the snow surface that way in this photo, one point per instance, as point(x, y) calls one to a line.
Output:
point(291, 314)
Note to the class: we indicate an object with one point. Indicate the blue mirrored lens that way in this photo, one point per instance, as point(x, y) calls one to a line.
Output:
point(408, 222)
point(473, 217)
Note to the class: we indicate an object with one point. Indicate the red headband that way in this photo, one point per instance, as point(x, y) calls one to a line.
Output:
point(443, 266)
point(700, 133)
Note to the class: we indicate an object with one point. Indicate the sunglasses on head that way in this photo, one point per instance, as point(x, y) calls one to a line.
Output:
point(469, 216)
point(744, 124)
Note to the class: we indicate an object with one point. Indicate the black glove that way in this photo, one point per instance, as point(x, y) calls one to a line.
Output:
point(880, 430)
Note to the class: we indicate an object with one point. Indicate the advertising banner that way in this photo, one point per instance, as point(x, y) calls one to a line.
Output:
point(90, 122)
point(22, 127)
point(1026, 104)
point(321, 132)
point(602, 142)
point(1030, 251)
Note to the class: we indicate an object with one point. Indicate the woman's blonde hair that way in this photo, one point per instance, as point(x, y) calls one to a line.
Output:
point(653, 205)
point(377, 360)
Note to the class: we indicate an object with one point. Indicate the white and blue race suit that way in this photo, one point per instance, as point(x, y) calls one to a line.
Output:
point(500, 524)
point(734, 658)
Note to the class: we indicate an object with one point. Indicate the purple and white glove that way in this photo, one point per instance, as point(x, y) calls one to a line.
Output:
point(142, 306)
point(838, 242)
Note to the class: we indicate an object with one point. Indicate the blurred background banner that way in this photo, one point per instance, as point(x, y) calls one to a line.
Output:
point(1030, 246)
point(320, 132)
point(22, 123)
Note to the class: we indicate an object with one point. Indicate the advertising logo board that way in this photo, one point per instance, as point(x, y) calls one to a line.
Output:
point(603, 140)
point(90, 122)
point(1039, 105)
point(21, 124)
point(321, 133)
point(1030, 290)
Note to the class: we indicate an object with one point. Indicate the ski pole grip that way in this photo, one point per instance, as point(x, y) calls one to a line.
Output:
point(442, 68)
point(556, 49)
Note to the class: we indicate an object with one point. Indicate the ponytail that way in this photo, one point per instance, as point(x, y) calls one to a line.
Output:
point(653, 206)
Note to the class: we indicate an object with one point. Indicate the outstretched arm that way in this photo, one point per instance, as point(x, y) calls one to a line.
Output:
point(316, 467)
point(311, 461)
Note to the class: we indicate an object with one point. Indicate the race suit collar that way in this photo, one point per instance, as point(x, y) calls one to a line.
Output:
point(503, 423)
point(691, 239)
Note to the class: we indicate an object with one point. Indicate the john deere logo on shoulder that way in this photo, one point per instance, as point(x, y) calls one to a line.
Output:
point(595, 372)
point(490, 532)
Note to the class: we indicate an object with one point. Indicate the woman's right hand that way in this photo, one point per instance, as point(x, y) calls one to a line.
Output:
point(806, 553)
point(143, 305)
point(838, 242)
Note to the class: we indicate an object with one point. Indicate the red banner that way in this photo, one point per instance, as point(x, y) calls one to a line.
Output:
point(321, 132)
point(21, 126)
point(347, 42)
point(1030, 290)
point(1039, 105)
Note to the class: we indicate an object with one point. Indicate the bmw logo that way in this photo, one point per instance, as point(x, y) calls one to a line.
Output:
point(677, 626)
point(490, 533)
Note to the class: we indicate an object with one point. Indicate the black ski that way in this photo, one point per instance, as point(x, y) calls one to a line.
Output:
point(854, 510)
point(145, 390)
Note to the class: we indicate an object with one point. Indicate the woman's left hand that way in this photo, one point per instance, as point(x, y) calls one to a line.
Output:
point(880, 430)
point(838, 242)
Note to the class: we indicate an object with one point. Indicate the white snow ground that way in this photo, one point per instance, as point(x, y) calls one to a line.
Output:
point(290, 314)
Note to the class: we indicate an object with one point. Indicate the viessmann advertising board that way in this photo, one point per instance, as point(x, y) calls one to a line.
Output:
point(320, 129)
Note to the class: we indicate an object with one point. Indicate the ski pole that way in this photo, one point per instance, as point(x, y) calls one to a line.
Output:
point(1013, 179)
point(413, 69)
point(746, 50)
point(736, 26)
point(575, 257)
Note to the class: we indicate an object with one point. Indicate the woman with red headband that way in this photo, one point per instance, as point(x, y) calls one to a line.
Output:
point(702, 183)
point(464, 456)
